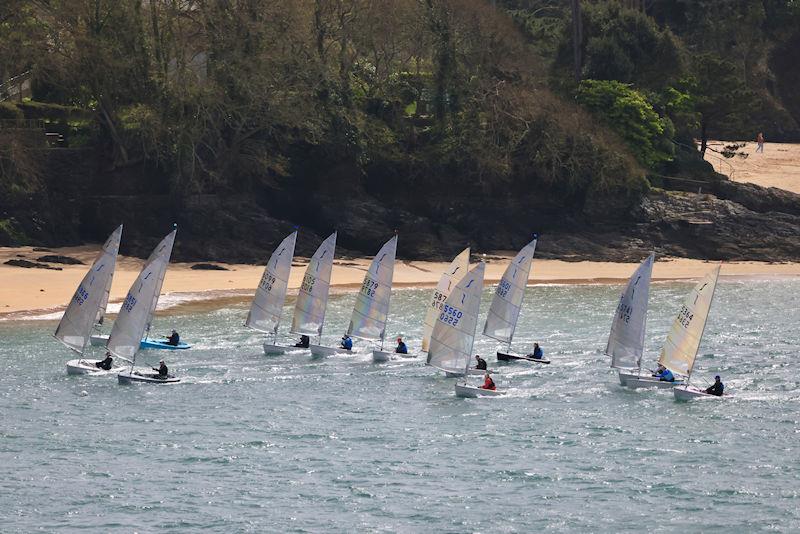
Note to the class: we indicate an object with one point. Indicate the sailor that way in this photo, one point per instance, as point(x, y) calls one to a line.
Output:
point(173, 339)
point(106, 363)
point(163, 372)
point(401, 347)
point(481, 363)
point(537, 352)
point(347, 343)
point(303, 343)
point(717, 388)
point(488, 383)
point(664, 374)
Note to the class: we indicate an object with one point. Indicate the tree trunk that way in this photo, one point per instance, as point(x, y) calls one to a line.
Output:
point(577, 38)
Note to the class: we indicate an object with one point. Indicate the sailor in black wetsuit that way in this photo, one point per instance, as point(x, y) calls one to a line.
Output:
point(174, 339)
point(481, 363)
point(106, 363)
point(303, 343)
point(163, 372)
point(717, 388)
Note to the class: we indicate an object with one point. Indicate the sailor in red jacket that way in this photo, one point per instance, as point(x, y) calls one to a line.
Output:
point(488, 383)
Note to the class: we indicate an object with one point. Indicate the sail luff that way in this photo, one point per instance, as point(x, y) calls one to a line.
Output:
point(371, 308)
point(90, 298)
point(626, 339)
point(312, 297)
point(683, 341)
point(501, 321)
point(267, 306)
point(137, 309)
point(455, 271)
point(453, 334)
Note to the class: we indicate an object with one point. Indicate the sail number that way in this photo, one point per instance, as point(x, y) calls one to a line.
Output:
point(503, 287)
point(450, 315)
point(308, 283)
point(369, 287)
point(130, 302)
point(81, 296)
point(624, 310)
point(266, 281)
point(438, 300)
point(685, 316)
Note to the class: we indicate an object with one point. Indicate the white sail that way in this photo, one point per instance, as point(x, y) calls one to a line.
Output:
point(457, 269)
point(626, 340)
point(507, 301)
point(312, 298)
point(683, 340)
point(372, 303)
point(265, 312)
point(454, 332)
point(137, 308)
point(89, 302)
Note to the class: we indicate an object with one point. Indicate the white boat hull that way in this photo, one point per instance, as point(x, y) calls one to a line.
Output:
point(274, 350)
point(471, 392)
point(687, 393)
point(625, 375)
point(87, 367)
point(137, 377)
point(320, 351)
point(637, 382)
point(380, 356)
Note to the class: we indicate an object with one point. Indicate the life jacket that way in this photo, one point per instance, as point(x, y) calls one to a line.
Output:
point(489, 383)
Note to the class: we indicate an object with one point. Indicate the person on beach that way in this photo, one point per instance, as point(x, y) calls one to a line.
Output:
point(481, 363)
point(347, 343)
point(760, 142)
point(106, 363)
point(717, 388)
point(303, 343)
point(162, 370)
point(538, 354)
point(173, 339)
point(664, 374)
point(488, 383)
point(401, 347)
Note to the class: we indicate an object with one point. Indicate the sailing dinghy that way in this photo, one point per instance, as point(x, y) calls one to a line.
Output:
point(680, 350)
point(88, 306)
point(99, 340)
point(312, 298)
point(136, 314)
point(267, 307)
point(455, 272)
point(501, 322)
point(626, 341)
point(683, 340)
point(372, 302)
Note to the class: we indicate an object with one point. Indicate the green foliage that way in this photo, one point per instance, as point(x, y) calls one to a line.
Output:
point(10, 111)
point(631, 116)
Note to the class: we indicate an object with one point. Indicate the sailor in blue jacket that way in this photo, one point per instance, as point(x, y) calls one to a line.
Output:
point(664, 374)
point(347, 343)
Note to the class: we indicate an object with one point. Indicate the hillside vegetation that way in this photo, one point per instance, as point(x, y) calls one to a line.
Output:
point(454, 122)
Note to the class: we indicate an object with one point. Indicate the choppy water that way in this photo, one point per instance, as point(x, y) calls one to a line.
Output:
point(250, 443)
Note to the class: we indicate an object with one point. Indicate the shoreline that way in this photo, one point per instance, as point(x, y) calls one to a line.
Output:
point(42, 294)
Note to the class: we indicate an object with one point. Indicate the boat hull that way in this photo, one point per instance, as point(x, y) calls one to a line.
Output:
point(625, 375)
point(472, 372)
point(687, 393)
point(507, 357)
point(135, 377)
point(470, 392)
point(87, 367)
point(99, 340)
point(274, 350)
point(638, 382)
point(320, 351)
point(380, 356)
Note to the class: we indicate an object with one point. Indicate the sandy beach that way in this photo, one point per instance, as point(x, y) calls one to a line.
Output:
point(778, 166)
point(27, 292)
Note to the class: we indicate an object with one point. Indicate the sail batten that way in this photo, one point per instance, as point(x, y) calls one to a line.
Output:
point(683, 341)
point(455, 271)
point(372, 302)
point(626, 340)
point(312, 297)
point(454, 332)
point(137, 309)
point(88, 304)
point(501, 321)
point(267, 307)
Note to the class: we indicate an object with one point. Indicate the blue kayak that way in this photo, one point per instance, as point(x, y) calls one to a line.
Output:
point(163, 345)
